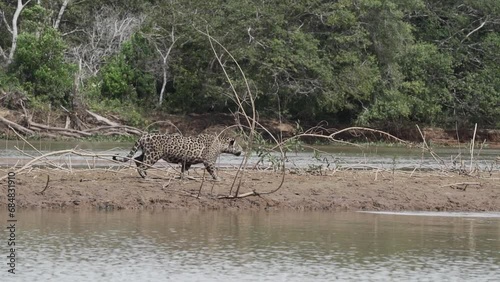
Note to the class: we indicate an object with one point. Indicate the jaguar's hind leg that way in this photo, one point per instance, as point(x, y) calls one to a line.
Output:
point(144, 162)
point(141, 169)
point(184, 167)
point(138, 160)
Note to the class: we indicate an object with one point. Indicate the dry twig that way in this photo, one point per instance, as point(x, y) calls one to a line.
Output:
point(462, 185)
point(46, 186)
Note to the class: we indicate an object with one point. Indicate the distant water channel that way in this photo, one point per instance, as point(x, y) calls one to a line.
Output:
point(330, 157)
point(244, 246)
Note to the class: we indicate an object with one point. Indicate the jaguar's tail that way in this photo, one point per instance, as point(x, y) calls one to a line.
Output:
point(132, 152)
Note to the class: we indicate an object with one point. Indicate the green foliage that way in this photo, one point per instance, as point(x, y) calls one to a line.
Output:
point(41, 68)
point(117, 77)
point(372, 62)
point(127, 110)
point(421, 94)
point(14, 93)
point(34, 19)
point(125, 76)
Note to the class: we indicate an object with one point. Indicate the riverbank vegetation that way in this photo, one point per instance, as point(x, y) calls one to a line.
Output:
point(384, 63)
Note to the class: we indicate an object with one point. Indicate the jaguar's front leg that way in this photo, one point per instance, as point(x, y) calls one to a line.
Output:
point(211, 169)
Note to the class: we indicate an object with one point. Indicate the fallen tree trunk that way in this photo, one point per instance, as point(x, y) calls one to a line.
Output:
point(102, 119)
point(16, 126)
point(42, 132)
point(126, 128)
point(111, 128)
point(64, 131)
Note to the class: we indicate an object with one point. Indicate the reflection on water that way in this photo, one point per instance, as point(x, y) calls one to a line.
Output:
point(230, 246)
point(440, 214)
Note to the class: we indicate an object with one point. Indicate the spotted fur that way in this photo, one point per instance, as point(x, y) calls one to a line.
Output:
point(175, 148)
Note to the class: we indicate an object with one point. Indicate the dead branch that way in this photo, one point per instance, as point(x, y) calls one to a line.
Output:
point(428, 149)
point(73, 118)
point(244, 195)
point(12, 125)
point(47, 161)
point(28, 164)
point(46, 186)
point(65, 131)
point(251, 120)
point(68, 121)
point(462, 185)
point(102, 119)
point(125, 128)
point(476, 29)
point(201, 185)
point(472, 148)
point(51, 131)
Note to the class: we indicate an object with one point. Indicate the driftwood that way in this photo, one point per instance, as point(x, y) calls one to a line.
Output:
point(68, 122)
point(462, 185)
point(72, 132)
point(44, 158)
point(28, 164)
point(16, 126)
point(50, 131)
point(125, 128)
point(102, 119)
point(72, 118)
point(238, 196)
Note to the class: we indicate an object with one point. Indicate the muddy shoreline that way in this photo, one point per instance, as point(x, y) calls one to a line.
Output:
point(336, 191)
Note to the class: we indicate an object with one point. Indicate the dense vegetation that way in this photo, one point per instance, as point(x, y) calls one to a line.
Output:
point(369, 62)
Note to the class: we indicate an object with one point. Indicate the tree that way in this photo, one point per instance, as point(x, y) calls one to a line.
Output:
point(13, 30)
point(382, 63)
point(40, 65)
point(468, 33)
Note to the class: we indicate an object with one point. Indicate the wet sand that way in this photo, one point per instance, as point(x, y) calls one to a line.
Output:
point(368, 190)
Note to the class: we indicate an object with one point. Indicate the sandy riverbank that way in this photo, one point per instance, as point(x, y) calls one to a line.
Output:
point(339, 191)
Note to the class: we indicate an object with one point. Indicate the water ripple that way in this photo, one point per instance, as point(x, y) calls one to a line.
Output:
point(217, 246)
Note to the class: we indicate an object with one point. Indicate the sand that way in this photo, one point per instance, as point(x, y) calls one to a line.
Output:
point(366, 190)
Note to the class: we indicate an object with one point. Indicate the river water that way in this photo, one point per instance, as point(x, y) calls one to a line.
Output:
point(178, 245)
point(331, 157)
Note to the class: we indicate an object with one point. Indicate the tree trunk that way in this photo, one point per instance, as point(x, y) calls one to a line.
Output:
point(61, 12)
point(165, 64)
point(14, 31)
point(164, 83)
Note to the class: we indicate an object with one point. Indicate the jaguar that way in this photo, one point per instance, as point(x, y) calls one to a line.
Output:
point(179, 149)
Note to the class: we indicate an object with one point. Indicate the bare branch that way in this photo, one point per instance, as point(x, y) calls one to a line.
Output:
point(476, 29)
point(165, 63)
point(104, 38)
point(2, 53)
point(5, 21)
point(71, 32)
